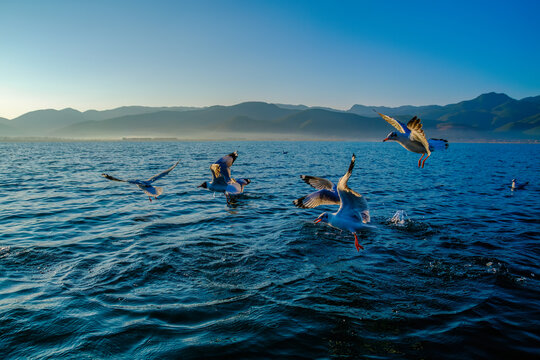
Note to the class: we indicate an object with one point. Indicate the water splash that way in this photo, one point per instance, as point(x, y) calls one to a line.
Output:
point(400, 218)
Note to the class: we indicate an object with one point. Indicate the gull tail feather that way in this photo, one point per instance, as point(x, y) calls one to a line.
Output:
point(438, 144)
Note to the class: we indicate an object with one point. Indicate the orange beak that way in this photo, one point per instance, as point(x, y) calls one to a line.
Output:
point(317, 220)
point(386, 139)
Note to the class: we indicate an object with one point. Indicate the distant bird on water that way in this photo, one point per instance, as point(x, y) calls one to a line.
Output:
point(353, 213)
point(146, 185)
point(222, 181)
point(412, 137)
point(326, 193)
point(518, 186)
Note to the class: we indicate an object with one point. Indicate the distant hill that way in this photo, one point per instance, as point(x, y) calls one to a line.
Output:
point(255, 119)
point(491, 112)
point(180, 123)
point(130, 110)
point(43, 122)
point(6, 130)
point(292, 107)
point(320, 123)
point(47, 122)
point(534, 99)
point(487, 117)
point(370, 111)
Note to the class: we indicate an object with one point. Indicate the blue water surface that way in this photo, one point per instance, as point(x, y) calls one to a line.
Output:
point(91, 268)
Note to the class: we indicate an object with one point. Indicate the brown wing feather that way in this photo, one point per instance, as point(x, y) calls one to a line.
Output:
point(417, 134)
point(393, 122)
point(320, 197)
point(317, 183)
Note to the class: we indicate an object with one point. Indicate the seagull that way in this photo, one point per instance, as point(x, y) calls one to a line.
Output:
point(146, 185)
point(326, 193)
point(353, 213)
point(222, 181)
point(412, 137)
point(518, 186)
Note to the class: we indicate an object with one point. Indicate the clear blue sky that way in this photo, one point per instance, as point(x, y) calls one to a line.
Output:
point(105, 54)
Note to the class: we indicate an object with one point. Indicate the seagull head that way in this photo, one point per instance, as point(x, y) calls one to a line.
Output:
point(365, 216)
point(204, 185)
point(391, 136)
point(323, 217)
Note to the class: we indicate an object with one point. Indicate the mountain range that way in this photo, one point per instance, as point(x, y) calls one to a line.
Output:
point(488, 117)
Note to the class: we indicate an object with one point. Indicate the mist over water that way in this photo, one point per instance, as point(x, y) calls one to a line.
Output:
point(91, 268)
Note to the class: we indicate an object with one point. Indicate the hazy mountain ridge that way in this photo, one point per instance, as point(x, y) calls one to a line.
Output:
point(534, 99)
point(130, 110)
point(487, 117)
point(487, 112)
point(6, 130)
point(181, 124)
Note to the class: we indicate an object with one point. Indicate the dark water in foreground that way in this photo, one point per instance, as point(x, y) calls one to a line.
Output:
point(91, 269)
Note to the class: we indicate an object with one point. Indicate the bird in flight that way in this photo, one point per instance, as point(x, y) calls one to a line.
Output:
point(412, 137)
point(146, 185)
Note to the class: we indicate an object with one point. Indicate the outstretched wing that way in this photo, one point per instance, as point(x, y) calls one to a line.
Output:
point(109, 177)
point(162, 174)
point(317, 183)
point(321, 197)
point(217, 178)
point(353, 204)
point(395, 123)
point(417, 134)
point(222, 167)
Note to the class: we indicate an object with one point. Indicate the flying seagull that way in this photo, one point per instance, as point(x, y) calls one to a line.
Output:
point(146, 185)
point(222, 181)
point(353, 213)
point(326, 193)
point(412, 137)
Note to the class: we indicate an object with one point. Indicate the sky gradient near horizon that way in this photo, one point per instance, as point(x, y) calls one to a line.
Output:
point(102, 55)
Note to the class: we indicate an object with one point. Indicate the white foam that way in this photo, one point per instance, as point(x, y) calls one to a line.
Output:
point(399, 218)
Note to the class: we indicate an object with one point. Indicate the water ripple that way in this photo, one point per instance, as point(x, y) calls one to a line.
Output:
point(92, 268)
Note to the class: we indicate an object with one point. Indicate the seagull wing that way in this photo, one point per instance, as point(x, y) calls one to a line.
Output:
point(417, 134)
point(217, 177)
point(162, 174)
point(109, 177)
point(395, 123)
point(317, 183)
point(353, 204)
point(321, 197)
point(222, 167)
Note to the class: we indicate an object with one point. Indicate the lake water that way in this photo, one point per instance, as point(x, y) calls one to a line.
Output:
point(91, 269)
